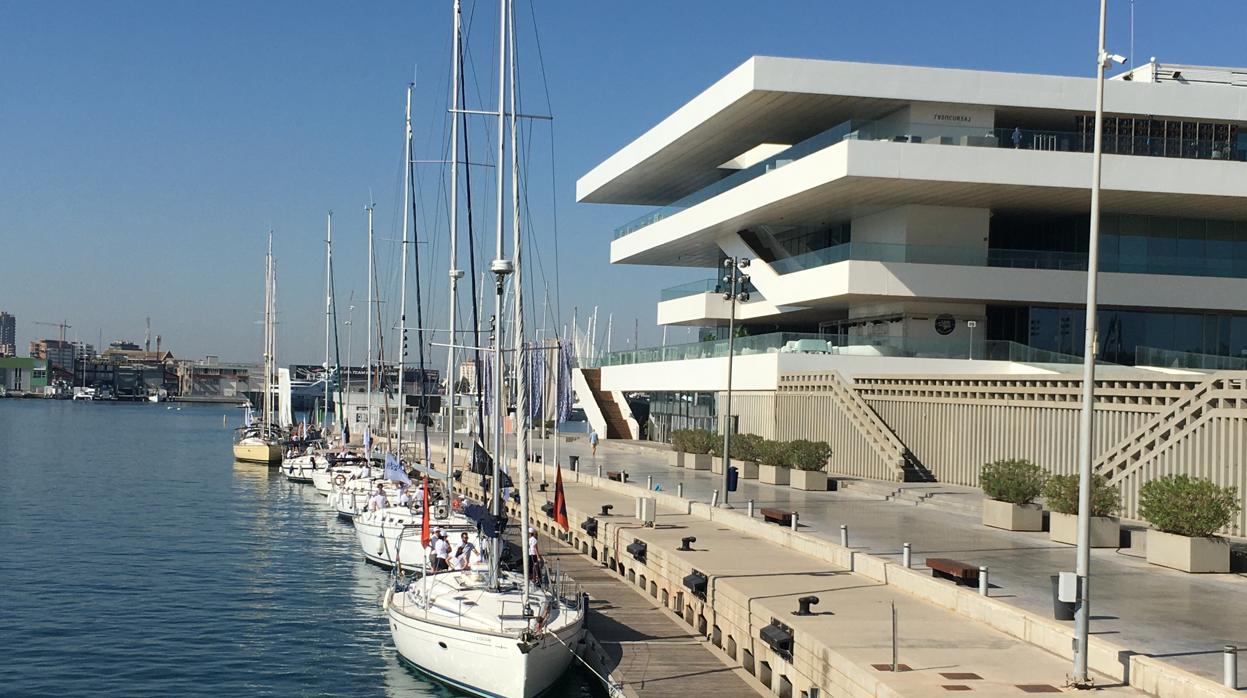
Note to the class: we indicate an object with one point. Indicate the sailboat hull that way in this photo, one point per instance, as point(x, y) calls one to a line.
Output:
point(258, 453)
point(482, 664)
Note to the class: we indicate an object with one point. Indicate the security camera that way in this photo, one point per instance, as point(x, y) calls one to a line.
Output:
point(1118, 59)
point(1107, 59)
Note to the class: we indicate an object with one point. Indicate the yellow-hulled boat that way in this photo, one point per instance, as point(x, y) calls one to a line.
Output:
point(252, 445)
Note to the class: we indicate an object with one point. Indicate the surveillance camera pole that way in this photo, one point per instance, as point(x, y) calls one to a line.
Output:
point(1082, 617)
point(734, 281)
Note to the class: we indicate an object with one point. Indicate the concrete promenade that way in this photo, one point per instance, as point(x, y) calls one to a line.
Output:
point(641, 646)
point(846, 643)
point(1179, 618)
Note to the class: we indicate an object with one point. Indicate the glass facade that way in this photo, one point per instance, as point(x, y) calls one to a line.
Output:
point(1131, 244)
point(1122, 331)
point(669, 411)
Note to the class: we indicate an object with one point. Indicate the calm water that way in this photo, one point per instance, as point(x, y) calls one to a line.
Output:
point(137, 558)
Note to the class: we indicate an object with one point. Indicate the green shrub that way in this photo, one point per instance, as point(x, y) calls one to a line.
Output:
point(774, 453)
point(1061, 494)
point(1188, 506)
point(692, 440)
point(1013, 480)
point(809, 455)
point(745, 447)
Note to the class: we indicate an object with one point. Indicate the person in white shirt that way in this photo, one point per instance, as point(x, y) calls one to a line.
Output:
point(377, 501)
point(404, 499)
point(365, 472)
point(534, 557)
point(463, 554)
point(441, 553)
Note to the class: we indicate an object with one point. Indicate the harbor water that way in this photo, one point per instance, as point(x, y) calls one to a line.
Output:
point(137, 558)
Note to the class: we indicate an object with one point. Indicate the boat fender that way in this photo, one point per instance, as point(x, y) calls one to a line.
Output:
point(339, 480)
point(440, 512)
point(385, 602)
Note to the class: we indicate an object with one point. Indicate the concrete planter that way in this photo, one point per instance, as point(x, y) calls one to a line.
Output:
point(697, 461)
point(1105, 531)
point(809, 480)
point(1012, 517)
point(773, 474)
point(716, 465)
point(1188, 554)
point(676, 459)
point(748, 469)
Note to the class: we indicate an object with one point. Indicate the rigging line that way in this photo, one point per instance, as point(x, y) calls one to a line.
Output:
point(415, 236)
point(554, 209)
point(477, 366)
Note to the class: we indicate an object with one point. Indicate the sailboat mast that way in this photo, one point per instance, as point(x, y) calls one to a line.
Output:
point(455, 273)
point(519, 365)
point(328, 306)
point(402, 284)
point(368, 352)
point(501, 267)
point(268, 331)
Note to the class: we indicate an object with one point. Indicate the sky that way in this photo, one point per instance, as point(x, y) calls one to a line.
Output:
point(146, 148)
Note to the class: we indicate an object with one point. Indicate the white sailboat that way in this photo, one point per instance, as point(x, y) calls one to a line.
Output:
point(260, 442)
point(492, 633)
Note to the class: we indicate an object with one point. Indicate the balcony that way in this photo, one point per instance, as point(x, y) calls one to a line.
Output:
point(1013, 138)
point(841, 345)
point(1234, 268)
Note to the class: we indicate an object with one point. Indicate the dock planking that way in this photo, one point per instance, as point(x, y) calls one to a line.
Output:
point(648, 651)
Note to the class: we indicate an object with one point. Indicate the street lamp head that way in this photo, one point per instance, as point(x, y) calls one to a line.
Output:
point(744, 296)
point(727, 263)
point(744, 263)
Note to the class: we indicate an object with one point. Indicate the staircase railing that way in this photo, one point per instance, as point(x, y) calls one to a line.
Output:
point(877, 434)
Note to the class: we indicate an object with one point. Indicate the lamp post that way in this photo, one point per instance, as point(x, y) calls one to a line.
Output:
point(734, 281)
point(1082, 616)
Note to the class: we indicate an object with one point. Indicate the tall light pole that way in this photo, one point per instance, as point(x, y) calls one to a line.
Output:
point(1082, 616)
point(734, 281)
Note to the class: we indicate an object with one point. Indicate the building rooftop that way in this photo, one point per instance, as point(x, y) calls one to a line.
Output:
point(786, 100)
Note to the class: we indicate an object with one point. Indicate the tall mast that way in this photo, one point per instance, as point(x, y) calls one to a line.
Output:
point(455, 273)
point(402, 284)
point(501, 267)
point(519, 365)
point(328, 306)
point(368, 352)
point(268, 332)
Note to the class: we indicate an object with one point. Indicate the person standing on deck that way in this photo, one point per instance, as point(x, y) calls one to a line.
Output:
point(534, 557)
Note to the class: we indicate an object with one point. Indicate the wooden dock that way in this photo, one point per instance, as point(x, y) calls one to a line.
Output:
point(638, 644)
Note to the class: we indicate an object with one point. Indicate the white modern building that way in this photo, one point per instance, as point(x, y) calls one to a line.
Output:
point(899, 212)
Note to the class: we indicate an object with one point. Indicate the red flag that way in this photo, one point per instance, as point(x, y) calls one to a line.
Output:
point(560, 500)
point(425, 534)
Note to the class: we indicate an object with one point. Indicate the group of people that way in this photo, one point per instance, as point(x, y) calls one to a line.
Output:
point(441, 555)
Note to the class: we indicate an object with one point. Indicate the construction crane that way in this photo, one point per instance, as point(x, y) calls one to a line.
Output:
point(63, 324)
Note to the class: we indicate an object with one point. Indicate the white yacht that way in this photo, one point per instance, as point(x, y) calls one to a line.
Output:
point(390, 537)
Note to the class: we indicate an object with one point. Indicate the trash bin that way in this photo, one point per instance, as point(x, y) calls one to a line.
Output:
point(1061, 610)
point(733, 477)
point(573, 461)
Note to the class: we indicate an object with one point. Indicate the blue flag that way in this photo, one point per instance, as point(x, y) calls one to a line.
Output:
point(394, 470)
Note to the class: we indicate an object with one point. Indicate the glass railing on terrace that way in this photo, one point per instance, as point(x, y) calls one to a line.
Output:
point(896, 131)
point(694, 288)
point(1009, 258)
point(812, 144)
point(841, 345)
point(1169, 358)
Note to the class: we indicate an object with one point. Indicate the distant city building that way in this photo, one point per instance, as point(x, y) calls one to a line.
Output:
point(58, 354)
point(212, 378)
point(21, 374)
point(8, 334)
point(84, 350)
point(467, 372)
point(123, 345)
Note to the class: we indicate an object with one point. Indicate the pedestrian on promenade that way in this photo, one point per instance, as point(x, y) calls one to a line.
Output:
point(593, 441)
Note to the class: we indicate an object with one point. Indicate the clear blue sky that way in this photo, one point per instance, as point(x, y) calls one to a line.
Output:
point(146, 147)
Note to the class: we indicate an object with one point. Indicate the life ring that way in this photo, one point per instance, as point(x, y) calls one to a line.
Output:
point(456, 504)
point(339, 480)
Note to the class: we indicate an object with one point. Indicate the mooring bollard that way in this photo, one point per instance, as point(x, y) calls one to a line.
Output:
point(599, 470)
point(794, 520)
point(983, 580)
point(679, 489)
point(714, 499)
point(1231, 667)
point(844, 535)
point(906, 556)
point(649, 482)
point(751, 508)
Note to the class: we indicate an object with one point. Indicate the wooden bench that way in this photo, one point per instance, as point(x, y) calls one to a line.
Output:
point(779, 516)
point(617, 475)
point(958, 572)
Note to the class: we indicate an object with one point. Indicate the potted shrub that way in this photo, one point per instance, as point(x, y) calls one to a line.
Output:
point(773, 462)
point(744, 455)
point(1010, 487)
point(1060, 492)
point(697, 446)
point(809, 463)
point(679, 447)
point(1186, 512)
